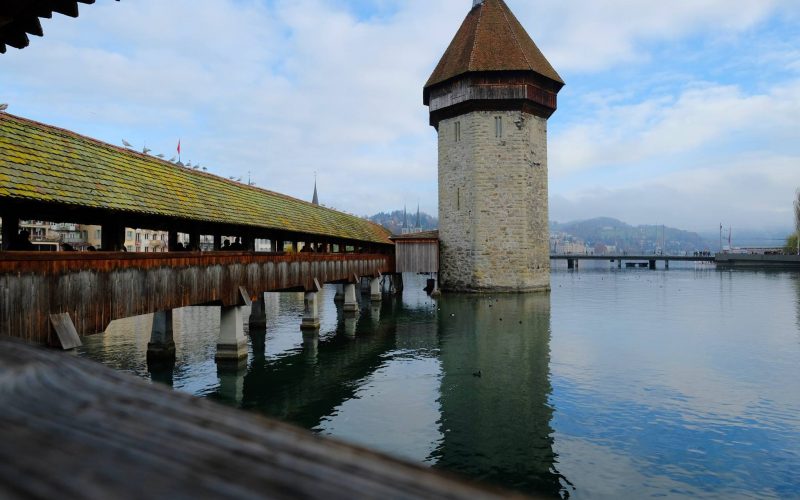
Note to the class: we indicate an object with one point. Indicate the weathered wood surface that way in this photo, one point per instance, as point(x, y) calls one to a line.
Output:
point(96, 288)
point(417, 256)
point(72, 428)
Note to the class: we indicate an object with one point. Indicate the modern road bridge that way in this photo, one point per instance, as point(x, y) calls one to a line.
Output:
point(650, 260)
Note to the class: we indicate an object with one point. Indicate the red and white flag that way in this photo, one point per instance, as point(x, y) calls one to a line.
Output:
point(179, 146)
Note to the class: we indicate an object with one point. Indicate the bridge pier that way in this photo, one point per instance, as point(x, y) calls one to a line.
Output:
point(258, 315)
point(652, 265)
point(619, 263)
point(666, 264)
point(339, 296)
point(232, 345)
point(350, 324)
point(310, 312)
point(570, 263)
point(350, 298)
point(375, 294)
point(161, 347)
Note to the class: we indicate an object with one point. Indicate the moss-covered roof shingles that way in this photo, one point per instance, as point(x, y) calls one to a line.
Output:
point(43, 163)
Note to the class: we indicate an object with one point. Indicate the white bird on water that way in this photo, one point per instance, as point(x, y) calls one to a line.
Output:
point(126, 144)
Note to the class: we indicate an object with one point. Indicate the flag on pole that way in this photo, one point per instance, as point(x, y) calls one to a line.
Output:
point(179, 146)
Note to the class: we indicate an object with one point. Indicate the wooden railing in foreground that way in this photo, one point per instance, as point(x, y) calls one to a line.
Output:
point(72, 428)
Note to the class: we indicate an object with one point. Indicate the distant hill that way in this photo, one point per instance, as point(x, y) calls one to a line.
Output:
point(393, 221)
point(632, 239)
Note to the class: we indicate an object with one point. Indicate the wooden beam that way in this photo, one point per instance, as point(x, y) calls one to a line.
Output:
point(120, 437)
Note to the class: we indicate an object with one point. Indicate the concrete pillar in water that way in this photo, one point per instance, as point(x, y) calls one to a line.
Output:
point(161, 347)
point(231, 383)
point(375, 290)
point(258, 315)
point(350, 298)
point(375, 312)
point(350, 324)
point(311, 345)
point(310, 312)
point(232, 345)
point(339, 297)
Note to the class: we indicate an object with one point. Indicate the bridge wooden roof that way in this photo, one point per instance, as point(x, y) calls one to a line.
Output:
point(491, 39)
point(46, 164)
point(18, 18)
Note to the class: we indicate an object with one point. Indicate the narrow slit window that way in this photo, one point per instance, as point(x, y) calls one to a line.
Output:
point(458, 198)
point(498, 126)
point(458, 131)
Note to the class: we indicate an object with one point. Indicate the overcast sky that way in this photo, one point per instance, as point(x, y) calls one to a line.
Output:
point(685, 113)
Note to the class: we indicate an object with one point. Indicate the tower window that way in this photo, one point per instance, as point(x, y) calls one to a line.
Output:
point(498, 126)
point(457, 129)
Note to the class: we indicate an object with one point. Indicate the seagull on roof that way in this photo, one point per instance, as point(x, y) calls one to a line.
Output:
point(196, 167)
point(189, 163)
point(159, 155)
point(145, 150)
point(205, 169)
point(126, 144)
point(3, 107)
point(172, 159)
point(232, 177)
point(239, 179)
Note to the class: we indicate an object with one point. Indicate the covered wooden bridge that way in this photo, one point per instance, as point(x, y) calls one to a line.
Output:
point(47, 173)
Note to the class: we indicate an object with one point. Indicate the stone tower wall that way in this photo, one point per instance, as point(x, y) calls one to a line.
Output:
point(493, 207)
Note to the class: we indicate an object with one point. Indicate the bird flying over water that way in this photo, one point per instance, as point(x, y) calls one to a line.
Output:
point(126, 144)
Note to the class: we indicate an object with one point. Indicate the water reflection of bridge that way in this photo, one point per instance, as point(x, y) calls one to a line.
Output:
point(494, 427)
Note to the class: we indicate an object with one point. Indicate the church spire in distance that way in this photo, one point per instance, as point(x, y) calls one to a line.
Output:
point(315, 199)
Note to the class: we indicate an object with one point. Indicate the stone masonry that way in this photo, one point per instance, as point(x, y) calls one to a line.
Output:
point(493, 208)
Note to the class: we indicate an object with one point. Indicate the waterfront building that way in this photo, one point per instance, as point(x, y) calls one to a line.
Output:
point(489, 99)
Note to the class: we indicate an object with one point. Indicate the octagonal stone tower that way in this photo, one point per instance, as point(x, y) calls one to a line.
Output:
point(489, 99)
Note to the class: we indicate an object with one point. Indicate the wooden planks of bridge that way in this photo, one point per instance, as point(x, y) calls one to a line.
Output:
point(95, 288)
point(76, 429)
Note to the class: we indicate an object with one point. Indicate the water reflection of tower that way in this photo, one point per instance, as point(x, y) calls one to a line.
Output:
point(495, 423)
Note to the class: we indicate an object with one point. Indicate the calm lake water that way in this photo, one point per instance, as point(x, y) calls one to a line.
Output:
point(619, 384)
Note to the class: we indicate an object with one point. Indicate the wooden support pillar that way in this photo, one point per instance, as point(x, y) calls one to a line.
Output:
point(194, 241)
point(350, 298)
point(172, 244)
point(217, 242)
point(112, 237)
point(10, 229)
point(162, 345)
point(248, 243)
point(310, 312)
point(232, 344)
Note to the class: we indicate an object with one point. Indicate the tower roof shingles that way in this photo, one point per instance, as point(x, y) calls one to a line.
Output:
point(491, 39)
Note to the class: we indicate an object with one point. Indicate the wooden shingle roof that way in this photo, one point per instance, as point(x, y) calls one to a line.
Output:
point(42, 163)
point(491, 39)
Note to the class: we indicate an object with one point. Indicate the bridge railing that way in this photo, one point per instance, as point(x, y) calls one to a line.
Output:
point(95, 288)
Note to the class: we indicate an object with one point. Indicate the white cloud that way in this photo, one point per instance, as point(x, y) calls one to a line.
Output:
point(286, 88)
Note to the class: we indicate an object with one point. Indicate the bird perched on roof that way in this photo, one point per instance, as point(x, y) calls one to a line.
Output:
point(239, 179)
point(196, 167)
point(205, 169)
point(232, 177)
point(159, 156)
point(3, 107)
point(126, 144)
point(189, 163)
point(172, 159)
point(145, 150)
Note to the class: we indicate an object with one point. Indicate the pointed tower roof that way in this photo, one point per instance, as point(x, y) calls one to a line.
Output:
point(315, 200)
point(491, 39)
